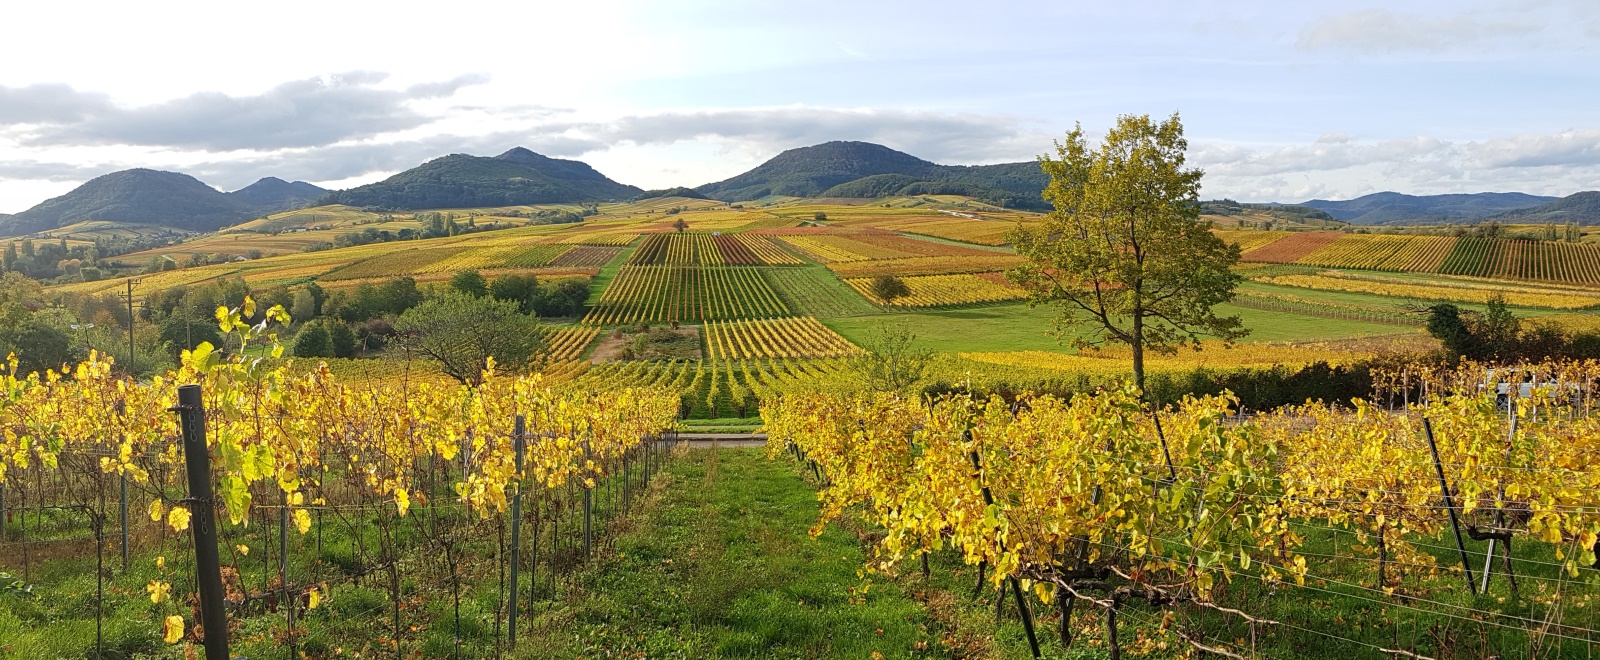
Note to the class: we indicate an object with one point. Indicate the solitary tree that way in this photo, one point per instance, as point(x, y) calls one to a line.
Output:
point(462, 332)
point(1125, 252)
point(892, 362)
point(887, 288)
point(680, 224)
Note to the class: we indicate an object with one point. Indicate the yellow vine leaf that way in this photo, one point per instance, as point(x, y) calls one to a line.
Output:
point(243, 549)
point(155, 511)
point(315, 599)
point(401, 500)
point(178, 519)
point(174, 630)
point(158, 590)
point(302, 520)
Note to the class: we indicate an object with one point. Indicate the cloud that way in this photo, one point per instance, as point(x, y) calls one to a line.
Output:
point(37, 104)
point(1339, 166)
point(35, 170)
point(301, 113)
point(942, 137)
point(1381, 30)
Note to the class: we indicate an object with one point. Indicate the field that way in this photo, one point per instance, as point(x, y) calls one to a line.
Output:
point(661, 294)
point(790, 337)
point(1513, 259)
point(945, 290)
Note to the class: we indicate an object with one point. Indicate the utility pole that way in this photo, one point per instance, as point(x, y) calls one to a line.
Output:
point(129, 296)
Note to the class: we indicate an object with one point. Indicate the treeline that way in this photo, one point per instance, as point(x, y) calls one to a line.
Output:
point(1498, 335)
point(46, 331)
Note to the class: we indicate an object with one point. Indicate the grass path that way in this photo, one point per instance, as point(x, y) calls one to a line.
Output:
point(723, 567)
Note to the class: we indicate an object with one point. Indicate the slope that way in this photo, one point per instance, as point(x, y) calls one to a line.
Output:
point(1582, 208)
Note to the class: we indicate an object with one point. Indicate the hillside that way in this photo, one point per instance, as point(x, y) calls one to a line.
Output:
point(862, 169)
point(138, 196)
point(1582, 208)
point(516, 177)
point(1396, 208)
point(273, 194)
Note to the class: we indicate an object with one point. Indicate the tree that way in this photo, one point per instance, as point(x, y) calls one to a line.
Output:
point(520, 289)
point(819, 216)
point(462, 332)
point(313, 341)
point(893, 362)
point(887, 288)
point(341, 339)
point(1497, 330)
point(1125, 252)
point(304, 307)
point(1446, 325)
point(470, 282)
point(680, 224)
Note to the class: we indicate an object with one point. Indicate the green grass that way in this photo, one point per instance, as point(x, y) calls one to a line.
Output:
point(723, 568)
point(1016, 327)
point(608, 272)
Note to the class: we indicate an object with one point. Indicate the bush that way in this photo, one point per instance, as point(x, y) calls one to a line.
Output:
point(313, 341)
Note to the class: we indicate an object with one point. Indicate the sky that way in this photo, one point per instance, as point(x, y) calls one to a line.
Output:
point(1280, 101)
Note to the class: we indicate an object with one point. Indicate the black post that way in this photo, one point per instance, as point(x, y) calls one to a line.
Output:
point(516, 527)
point(1449, 505)
point(588, 509)
point(208, 569)
point(1027, 616)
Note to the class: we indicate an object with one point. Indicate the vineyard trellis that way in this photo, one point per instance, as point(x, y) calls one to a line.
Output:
point(1079, 502)
point(394, 477)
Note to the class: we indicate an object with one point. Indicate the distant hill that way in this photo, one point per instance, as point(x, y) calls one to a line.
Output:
point(1394, 208)
point(1582, 208)
point(140, 196)
point(863, 169)
point(274, 194)
point(679, 191)
point(518, 176)
point(166, 199)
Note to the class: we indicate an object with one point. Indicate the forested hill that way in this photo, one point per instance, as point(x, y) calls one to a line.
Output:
point(277, 194)
point(1582, 208)
point(518, 176)
point(138, 196)
point(1397, 208)
point(863, 169)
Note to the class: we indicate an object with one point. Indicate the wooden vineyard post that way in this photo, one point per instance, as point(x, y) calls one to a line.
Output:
point(1449, 505)
point(208, 568)
point(1016, 586)
point(517, 442)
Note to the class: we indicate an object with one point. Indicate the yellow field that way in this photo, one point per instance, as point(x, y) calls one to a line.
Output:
point(1472, 292)
point(790, 337)
point(942, 290)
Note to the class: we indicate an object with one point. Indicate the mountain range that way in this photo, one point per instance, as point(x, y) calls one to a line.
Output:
point(829, 170)
point(168, 199)
point(1392, 207)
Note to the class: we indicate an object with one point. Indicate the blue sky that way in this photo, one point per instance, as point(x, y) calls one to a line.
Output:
point(1281, 101)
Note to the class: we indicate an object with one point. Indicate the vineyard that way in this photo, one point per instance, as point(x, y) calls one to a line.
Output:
point(944, 290)
point(568, 344)
point(1546, 261)
point(791, 337)
point(1240, 539)
point(1453, 291)
point(328, 526)
point(661, 294)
